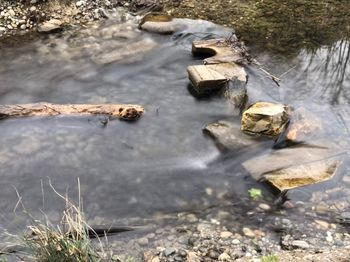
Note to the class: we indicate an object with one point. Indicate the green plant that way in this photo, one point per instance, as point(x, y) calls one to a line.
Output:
point(269, 258)
point(255, 193)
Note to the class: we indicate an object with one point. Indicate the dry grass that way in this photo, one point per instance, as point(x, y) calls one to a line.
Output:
point(68, 241)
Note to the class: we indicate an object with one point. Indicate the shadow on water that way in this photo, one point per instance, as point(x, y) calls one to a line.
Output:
point(161, 164)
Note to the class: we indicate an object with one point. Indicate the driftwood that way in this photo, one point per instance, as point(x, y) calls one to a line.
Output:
point(126, 112)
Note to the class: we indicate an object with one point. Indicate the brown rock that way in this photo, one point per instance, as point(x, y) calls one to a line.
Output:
point(265, 118)
point(51, 26)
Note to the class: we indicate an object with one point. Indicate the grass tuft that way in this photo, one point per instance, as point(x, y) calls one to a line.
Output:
point(68, 241)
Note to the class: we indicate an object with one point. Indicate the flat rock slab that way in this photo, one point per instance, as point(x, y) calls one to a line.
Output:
point(296, 166)
point(302, 175)
point(263, 118)
point(219, 50)
point(126, 112)
point(228, 136)
point(205, 79)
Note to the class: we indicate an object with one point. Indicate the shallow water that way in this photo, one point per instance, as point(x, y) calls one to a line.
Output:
point(161, 164)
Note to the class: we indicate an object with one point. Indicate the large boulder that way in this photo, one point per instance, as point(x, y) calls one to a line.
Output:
point(228, 136)
point(296, 166)
point(264, 118)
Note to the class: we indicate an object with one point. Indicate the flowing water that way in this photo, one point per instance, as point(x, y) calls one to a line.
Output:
point(163, 163)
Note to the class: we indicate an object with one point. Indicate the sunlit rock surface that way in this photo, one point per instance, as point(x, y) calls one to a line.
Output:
point(265, 118)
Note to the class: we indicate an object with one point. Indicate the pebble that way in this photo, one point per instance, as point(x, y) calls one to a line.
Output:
point(322, 223)
point(225, 234)
point(300, 244)
point(248, 232)
point(264, 207)
point(169, 251)
point(143, 241)
point(235, 242)
point(224, 257)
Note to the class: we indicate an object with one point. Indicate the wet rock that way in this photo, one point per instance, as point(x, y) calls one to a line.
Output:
point(220, 51)
point(51, 26)
point(206, 80)
point(162, 24)
point(263, 118)
point(224, 257)
point(302, 175)
point(279, 160)
point(227, 135)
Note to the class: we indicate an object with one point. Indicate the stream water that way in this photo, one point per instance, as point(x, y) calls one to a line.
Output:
point(163, 163)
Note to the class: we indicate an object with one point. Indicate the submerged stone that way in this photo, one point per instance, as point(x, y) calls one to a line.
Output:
point(304, 125)
point(263, 118)
point(227, 135)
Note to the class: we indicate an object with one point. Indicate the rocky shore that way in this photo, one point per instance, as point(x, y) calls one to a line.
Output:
point(20, 17)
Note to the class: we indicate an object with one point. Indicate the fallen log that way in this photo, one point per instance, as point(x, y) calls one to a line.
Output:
point(125, 112)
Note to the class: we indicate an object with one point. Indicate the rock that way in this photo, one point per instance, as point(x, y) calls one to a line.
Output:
point(264, 207)
point(300, 244)
point(228, 136)
point(143, 241)
point(192, 257)
point(162, 24)
point(323, 224)
point(169, 251)
point(205, 79)
point(275, 160)
point(226, 234)
point(229, 77)
point(302, 175)
point(220, 51)
point(248, 232)
point(236, 242)
point(263, 118)
point(51, 26)
point(224, 257)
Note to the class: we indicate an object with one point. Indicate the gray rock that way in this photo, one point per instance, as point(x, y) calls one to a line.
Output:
point(169, 251)
point(300, 244)
point(143, 241)
point(228, 135)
